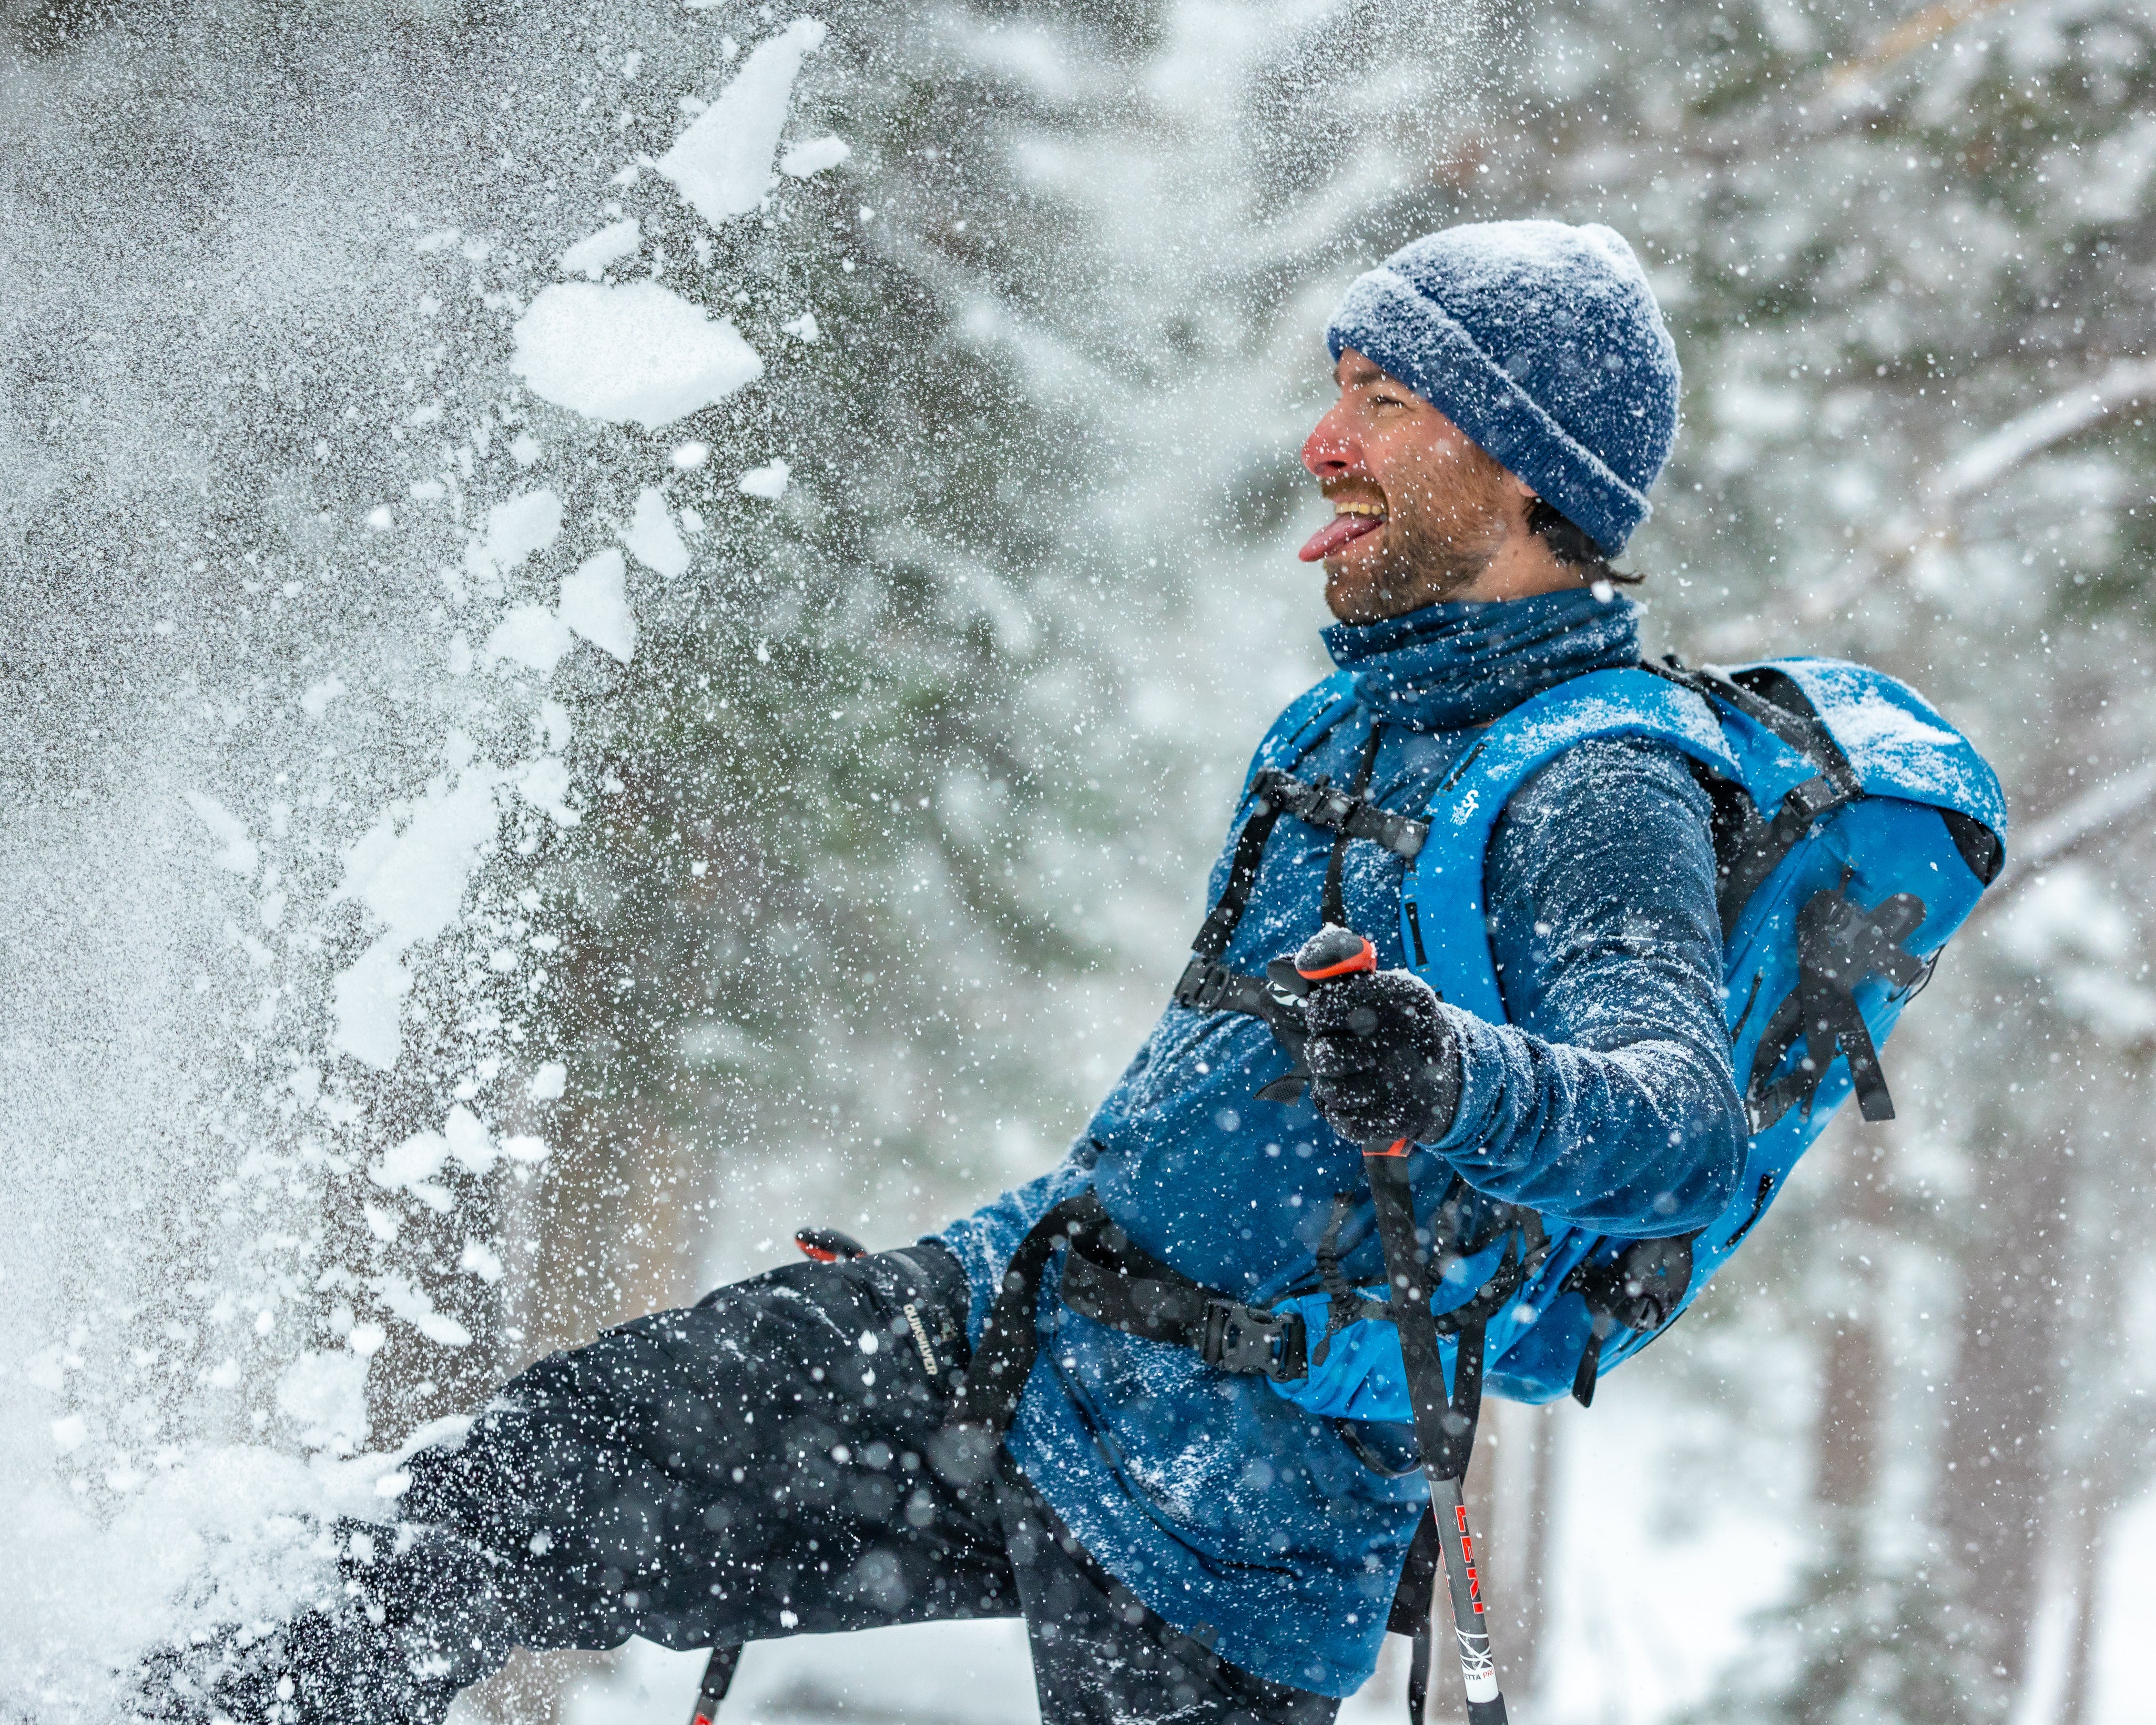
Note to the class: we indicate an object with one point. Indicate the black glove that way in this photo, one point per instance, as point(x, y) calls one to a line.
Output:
point(1383, 1063)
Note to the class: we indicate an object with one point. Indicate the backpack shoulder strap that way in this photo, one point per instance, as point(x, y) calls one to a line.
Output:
point(1443, 928)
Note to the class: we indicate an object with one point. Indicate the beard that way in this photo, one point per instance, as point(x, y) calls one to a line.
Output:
point(1441, 535)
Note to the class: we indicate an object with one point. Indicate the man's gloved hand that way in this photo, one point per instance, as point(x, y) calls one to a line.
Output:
point(1383, 1063)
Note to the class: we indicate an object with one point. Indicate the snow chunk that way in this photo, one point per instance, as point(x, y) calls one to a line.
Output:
point(367, 999)
point(531, 635)
point(544, 783)
point(595, 603)
point(651, 537)
point(722, 164)
point(524, 449)
point(411, 1167)
point(514, 531)
point(324, 1394)
point(239, 855)
point(555, 723)
point(468, 1140)
point(409, 1302)
point(410, 869)
point(411, 876)
point(481, 1260)
point(812, 155)
point(768, 480)
point(524, 1148)
point(802, 328)
point(609, 245)
point(638, 352)
point(549, 1082)
point(318, 696)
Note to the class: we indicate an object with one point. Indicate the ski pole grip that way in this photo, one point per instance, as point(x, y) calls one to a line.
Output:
point(827, 1246)
point(1333, 953)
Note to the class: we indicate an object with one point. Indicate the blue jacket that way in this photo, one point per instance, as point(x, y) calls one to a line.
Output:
point(1608, 1100)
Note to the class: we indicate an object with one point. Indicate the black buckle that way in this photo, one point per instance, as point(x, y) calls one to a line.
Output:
point(1190, 986)
point(1325, 805)
point(1206, 986)
point(1243, 1338)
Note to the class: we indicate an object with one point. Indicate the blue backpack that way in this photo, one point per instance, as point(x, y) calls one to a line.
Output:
point(1854, 829)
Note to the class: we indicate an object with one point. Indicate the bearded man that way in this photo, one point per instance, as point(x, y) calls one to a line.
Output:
point(987, 1422)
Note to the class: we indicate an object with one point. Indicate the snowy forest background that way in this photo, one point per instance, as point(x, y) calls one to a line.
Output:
point(442, 919)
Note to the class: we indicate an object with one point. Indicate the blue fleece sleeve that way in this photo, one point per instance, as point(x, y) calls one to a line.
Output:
point(1608, 1100)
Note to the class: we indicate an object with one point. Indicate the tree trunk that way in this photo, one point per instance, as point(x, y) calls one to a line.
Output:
point(1533, 1528)
point(1991, 1494)
point(2087, 1530)
point(1847, 1449)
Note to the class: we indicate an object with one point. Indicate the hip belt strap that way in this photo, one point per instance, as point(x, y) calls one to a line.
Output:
point(1113, 1282)
point(1111, 1279)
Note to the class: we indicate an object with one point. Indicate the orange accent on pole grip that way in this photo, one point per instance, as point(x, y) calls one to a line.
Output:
point(1398, 1147)
point(1366, 959)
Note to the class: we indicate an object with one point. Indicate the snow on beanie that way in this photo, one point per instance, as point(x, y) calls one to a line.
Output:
point(1543, 343)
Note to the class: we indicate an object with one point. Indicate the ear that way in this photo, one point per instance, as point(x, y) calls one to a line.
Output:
point(1525, 491)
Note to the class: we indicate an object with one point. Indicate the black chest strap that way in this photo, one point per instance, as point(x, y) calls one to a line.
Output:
point(1345, 814)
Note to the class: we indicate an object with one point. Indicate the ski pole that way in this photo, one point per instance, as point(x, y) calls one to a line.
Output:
point(718, 1678)
point(1444, 1421)
point(1443, 1431)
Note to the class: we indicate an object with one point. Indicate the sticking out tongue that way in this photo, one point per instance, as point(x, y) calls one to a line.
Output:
point(1336, 533)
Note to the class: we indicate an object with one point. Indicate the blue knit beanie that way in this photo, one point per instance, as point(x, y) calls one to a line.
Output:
point(1543, 343)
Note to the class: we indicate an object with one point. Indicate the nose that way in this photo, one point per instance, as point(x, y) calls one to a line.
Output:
point(1332, 450)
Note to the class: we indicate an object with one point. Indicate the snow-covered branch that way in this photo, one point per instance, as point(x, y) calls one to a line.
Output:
point(1906, 38)
point(1932, 523)
point(2098, 809)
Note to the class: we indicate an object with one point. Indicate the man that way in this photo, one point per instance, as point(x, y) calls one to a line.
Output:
point(1185, 1542)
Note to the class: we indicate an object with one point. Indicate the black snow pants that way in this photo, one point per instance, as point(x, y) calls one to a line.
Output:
point(769, 1462)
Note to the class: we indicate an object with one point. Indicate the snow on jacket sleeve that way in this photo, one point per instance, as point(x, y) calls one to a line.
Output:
point(1608, 1100)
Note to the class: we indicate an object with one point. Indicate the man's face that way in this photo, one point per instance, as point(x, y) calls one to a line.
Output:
point(1420, 510)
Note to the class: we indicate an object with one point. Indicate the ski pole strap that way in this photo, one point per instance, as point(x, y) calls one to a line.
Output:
point(1412, 1601)
point(1443, 1420)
